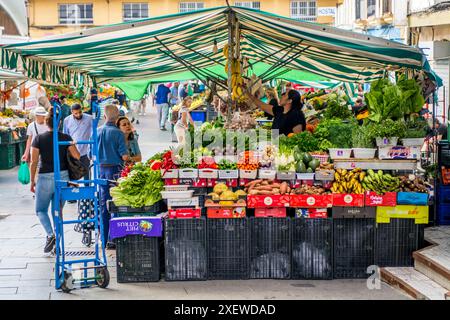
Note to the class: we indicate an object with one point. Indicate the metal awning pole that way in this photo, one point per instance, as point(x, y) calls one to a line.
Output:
point(230, 61)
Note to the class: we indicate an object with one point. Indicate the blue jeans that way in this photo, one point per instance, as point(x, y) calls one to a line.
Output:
point(109, 173)
point(45, 189)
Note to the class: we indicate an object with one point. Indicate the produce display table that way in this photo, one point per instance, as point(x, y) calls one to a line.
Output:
point(375, 164)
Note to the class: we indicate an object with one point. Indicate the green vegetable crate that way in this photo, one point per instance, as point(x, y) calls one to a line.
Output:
point(7, 156)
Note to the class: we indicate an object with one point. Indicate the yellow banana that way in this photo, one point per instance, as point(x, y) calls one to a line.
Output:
point(337, 176)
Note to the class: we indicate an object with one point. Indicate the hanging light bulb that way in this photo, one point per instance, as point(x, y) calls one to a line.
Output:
point(215, 49)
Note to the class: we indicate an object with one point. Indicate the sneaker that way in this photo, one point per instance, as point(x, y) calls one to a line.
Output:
point(49, 244)
point(137, 121)
point(163, 129)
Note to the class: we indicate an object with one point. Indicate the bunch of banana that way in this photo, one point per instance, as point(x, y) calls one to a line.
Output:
point(237, 81)
point(348, 181)
point(380, 182)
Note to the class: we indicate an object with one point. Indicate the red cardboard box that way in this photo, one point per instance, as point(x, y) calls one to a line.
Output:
point(389, 199)
point(197, 182)
point(348, 200)
point(226, 212)
point(316, 213)
point(243, 182)
point(185, 213)
point(171, 182)
point(256, 201)
point(270, 212)
point(232, 183)
point(311, 201)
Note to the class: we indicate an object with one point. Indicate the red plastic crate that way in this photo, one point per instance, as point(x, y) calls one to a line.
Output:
point(311, 201)
point(372, 199)
point(231, 183)
point(348, 200)
point(256, 201)
point(270, 212)
point(185, 213)
point(226, 212)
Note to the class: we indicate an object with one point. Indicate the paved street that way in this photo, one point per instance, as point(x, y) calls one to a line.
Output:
point(26, 273)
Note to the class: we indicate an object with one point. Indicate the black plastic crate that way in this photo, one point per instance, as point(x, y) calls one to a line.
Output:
point(312, 248)
point(270, 248)
point(185, 246)
point(138, 259)
point(353, 246)
point(228, 249)
point(199, 191)
point(396, 241)
point(7, 156)
point(154, 209)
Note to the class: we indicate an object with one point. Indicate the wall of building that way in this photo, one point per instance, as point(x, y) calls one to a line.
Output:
point(44, 19)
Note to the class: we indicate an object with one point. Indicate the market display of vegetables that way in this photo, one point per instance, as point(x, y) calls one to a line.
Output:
point(268, 156)
point(380, 182)
point(305, 163)
point(248, 161)
point(11, 119)
point(207, 163)
point(141, 187)
point(225, 164)
point(348, 181)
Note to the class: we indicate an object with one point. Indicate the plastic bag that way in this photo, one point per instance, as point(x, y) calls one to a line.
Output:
point(24, 173)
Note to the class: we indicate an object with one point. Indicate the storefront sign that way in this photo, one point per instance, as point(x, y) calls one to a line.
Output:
point(326, 11)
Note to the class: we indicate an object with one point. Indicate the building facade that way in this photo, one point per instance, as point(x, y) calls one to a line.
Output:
point(13, 22)
point(382, 18)
point(429, 26)
point(50, 17)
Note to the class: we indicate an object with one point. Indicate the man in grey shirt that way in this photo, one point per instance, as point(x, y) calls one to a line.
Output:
point(79, 126)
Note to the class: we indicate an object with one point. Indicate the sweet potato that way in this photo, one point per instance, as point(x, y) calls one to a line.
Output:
point(252, 183)
point(265, 188)
point(264, 192)
point(283, 188)
point(253, 192)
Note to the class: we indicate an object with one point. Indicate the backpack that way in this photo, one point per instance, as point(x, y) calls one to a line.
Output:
point(76, 168)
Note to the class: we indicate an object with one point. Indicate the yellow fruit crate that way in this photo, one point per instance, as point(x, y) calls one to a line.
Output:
point(419, 213)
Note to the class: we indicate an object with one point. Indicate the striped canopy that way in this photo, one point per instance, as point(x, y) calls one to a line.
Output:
point(159, 47)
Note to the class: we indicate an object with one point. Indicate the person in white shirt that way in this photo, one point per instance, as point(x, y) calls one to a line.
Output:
point(36, 127)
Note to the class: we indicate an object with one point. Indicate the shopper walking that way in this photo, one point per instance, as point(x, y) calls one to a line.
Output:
point(162, 105)
point(44, 188)
point(131, 138)
point(184, 118)
point(112, 153)
point(35, 128)
point(65, 111)
point(78, 125)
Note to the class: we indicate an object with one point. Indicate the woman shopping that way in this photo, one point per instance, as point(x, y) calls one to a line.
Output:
point(272, 98)
point(184, 118)
point(130, 138)
point(42, 152)
point(287, 116)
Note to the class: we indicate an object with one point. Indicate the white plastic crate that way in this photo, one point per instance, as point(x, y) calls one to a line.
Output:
point(208, 173)
point(248, 174)
point(177, 194)
point(305, 176)
point(228, 174)
point(324, 175)
point(267, 174)
point(286, 175)
point(191, 202)
point(178, 187)
point(169, 173)
point(188, 173)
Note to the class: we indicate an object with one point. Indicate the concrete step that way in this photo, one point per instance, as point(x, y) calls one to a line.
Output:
point(435, 264)
point(414, 283)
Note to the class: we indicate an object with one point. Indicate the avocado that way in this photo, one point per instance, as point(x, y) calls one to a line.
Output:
point(307, 157)
point(300, 168)
point(309, 170)
point(313, 164)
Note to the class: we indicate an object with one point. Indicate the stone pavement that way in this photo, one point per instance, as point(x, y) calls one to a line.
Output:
point(27, 273)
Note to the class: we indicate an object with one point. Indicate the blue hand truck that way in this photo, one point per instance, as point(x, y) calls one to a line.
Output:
point(92, 265)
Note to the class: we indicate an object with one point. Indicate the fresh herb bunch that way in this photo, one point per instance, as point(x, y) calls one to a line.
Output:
point(305, 141)
point(416, 128)
point(361, 137)
point(225, 164)
point(337, 108)
point(387, 129)
point(335, 133)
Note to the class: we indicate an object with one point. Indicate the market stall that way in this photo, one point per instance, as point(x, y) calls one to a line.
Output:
point(300, 208)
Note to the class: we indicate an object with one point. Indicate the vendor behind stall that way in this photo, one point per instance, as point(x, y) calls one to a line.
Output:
point(287, 116)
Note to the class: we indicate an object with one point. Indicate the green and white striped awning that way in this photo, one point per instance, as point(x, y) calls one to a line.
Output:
point(143, 49)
